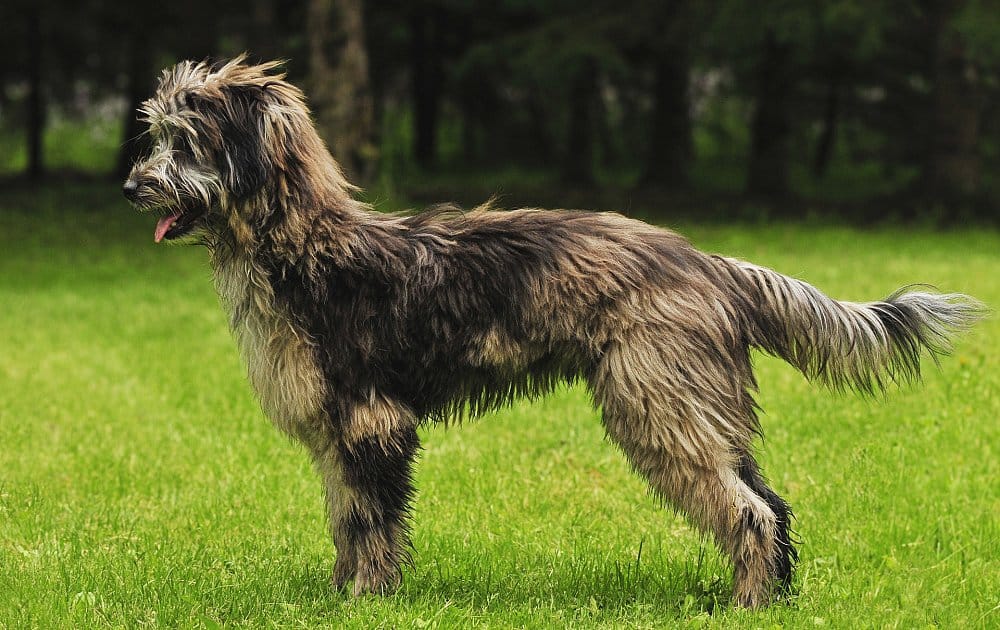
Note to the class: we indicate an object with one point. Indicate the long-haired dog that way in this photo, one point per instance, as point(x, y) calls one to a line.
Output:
point(359, 326)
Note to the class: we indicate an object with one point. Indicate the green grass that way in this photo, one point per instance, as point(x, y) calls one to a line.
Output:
point(141, 485)
point(81, 143)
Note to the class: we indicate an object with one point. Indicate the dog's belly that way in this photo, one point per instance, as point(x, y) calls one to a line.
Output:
point(280, 362)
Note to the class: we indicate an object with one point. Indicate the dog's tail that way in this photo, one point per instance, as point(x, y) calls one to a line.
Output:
point(848, 344)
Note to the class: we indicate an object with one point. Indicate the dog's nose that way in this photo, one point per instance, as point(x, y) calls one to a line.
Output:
point(130, 189)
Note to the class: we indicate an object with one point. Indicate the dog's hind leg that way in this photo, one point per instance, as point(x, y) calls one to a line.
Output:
point(785, 555)
point(677, 434)
point(711, 493)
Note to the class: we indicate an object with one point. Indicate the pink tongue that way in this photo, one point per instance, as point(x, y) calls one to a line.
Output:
point(163, 226)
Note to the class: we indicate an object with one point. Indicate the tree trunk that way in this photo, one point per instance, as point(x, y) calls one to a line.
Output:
point(137, 89)
point(340, 88)
point(771, 129)
point(671, 146)
point(472, 111)
point(36, 99)
point(953, 165)
point(541, 145)
point(261, 37)
point(4, 101)
point(828, 135)
point(579, 158)
point(426, 75)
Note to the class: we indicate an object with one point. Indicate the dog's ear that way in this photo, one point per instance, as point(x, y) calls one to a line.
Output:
point(243, 161)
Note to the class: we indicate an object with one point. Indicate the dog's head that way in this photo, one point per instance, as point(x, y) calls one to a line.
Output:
point(221, 134)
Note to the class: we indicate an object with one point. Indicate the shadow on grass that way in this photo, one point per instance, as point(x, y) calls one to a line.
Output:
point(591, 586)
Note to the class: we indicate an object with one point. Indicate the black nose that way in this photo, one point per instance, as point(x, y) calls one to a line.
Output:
point(130, 189)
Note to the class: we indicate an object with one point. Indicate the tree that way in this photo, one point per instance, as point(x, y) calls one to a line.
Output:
point(763, 49)
point(36, 98)
point(338, 78)
point(578, 160)
point(426, 80)
point(953, 164)
point(830, 121)
point(667, 33)
point(261, 37)
point(138, 78)
point(770, 130)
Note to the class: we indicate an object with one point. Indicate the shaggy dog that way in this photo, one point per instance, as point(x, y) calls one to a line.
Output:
point(359, 326)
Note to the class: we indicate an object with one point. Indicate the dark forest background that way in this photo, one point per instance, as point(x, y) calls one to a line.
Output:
point(845, 107)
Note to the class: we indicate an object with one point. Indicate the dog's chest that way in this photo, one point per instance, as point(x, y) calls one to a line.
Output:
point(281, 365)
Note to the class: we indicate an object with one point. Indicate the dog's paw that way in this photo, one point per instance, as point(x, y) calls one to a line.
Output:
point(343, 571)
point(753, 596)
point(377, 581)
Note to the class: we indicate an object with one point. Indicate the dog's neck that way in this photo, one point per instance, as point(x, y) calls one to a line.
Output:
point(300, 215)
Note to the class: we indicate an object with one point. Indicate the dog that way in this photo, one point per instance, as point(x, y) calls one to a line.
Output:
point(358, 326)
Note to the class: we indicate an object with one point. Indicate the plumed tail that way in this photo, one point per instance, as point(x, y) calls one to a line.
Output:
point(849, 345)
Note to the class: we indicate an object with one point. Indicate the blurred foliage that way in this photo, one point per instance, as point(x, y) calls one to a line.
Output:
point(836, 100)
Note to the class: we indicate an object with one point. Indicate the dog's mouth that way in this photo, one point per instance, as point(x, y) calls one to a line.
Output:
point(177, 223)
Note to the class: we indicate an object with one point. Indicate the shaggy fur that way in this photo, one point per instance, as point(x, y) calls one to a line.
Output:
point(359, 326)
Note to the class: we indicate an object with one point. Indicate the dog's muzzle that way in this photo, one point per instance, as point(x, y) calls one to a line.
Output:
point(131, 190)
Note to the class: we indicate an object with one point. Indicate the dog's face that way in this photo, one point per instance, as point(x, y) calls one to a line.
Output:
point(214, 131)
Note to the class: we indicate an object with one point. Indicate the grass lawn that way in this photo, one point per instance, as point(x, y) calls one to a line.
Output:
point(141, 485)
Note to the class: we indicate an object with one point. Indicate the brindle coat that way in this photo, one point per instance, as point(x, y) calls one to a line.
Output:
point(358, 326)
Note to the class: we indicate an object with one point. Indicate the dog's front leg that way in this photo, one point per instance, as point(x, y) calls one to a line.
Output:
point(368, 473)
point(341, 500)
